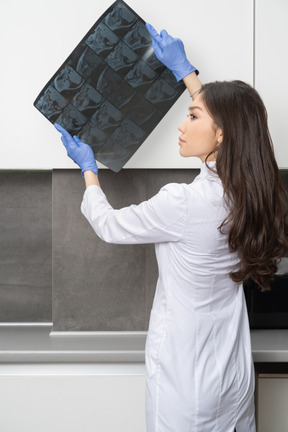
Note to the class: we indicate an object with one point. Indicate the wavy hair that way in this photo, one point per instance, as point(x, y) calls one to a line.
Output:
point(256, 199)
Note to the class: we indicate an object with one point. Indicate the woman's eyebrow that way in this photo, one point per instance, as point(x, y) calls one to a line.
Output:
point(191, 108)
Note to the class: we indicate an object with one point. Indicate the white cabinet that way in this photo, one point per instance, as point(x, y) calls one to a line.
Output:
point(271, 399)
point(218, 38)
point(74, 398)
point(36, 37)
point(271, 63)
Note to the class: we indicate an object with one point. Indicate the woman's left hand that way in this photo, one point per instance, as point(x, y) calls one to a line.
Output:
point(170, 51)
point(79, 152)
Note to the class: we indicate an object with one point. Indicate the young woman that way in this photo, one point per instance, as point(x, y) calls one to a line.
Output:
point(229, 225)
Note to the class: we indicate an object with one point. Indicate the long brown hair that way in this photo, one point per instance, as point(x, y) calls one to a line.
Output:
point(253, 191)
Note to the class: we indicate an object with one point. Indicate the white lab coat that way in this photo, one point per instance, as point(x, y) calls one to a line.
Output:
point(199, 368)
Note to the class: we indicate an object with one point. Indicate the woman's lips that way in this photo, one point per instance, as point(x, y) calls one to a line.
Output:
point(181, 141)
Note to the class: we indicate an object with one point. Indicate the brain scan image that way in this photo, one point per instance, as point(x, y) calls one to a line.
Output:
point(111, 91)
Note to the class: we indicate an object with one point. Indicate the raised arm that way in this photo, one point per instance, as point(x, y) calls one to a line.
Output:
point(170, 51)
point(193, 84)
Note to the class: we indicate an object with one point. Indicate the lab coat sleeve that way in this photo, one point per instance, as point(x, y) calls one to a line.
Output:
point(160, 219)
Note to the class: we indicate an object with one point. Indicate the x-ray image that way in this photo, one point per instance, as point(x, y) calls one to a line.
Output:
point(106, 81)
point(138, 39)
point(120, 19)
point(141, 77)
point(87, 100)
point(51, 104)
point(68, 82)
point(84, 60)
point(161, 94)
point(111, 91)
point(107, 118)
point(102, 40)
point(72, 120)
point(95, 136)
point(121, 59)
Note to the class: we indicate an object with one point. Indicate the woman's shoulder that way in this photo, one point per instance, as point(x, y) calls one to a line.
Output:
point(207, 186)
point(200, 199)
point(171, 201)
point(201, 190)
point(183, 191)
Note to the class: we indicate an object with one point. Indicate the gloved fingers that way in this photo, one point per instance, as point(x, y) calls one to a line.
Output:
point(164, 34)
point(157, 49)
point(61, 130)
point(77, 140)
point(66, 138)
point(166, 39)
point(83, 146)
point(69, 144)
point(153, 33)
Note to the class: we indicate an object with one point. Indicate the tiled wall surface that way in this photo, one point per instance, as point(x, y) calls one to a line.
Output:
point(26, 246)
point(99, 286)
point(95, 286)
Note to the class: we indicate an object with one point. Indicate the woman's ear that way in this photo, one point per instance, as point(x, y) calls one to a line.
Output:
point(219, 136)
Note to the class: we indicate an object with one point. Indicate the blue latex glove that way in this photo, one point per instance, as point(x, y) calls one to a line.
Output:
point(170, 51)
point(80, 153)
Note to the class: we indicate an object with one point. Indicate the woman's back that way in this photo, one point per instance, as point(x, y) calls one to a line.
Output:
point(200, 262)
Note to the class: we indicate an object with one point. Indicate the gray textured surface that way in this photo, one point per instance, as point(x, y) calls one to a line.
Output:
point(98, 286)
point(36, 344)
point(26, 247)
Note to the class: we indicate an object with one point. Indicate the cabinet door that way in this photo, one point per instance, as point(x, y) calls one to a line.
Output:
point(36, 37)
point(74, 403)
point(218, 38)
point(272, 403)
point(271, 63)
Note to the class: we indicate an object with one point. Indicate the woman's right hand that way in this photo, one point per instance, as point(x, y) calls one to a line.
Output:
point(170, 51)
point(81, 153)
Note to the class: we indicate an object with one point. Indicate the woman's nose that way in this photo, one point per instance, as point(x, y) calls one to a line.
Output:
point(181, 128)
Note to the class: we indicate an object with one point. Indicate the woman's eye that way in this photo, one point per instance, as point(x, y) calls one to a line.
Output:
point(192, 116)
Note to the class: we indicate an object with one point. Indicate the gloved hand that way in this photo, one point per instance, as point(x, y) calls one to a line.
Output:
point(171, 53)
point(80, 153)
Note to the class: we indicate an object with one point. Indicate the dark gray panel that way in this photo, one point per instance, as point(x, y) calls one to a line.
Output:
point(26, 246)
point(97, 286)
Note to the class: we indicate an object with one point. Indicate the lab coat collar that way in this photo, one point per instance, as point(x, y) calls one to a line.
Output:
point(204, 170)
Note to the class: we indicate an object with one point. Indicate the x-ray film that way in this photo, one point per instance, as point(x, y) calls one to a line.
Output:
point(111, 91)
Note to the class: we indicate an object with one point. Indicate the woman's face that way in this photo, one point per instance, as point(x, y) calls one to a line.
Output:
point(199, 134)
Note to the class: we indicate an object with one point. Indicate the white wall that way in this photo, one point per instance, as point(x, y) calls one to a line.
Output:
point(271, 65)
point(37, 36)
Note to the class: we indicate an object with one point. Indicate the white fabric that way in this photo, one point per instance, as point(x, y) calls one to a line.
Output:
point(199, 368)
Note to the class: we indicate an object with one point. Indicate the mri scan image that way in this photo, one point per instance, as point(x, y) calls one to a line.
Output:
point(111, 91)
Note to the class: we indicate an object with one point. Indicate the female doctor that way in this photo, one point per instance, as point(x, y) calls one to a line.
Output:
point(227, 226)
